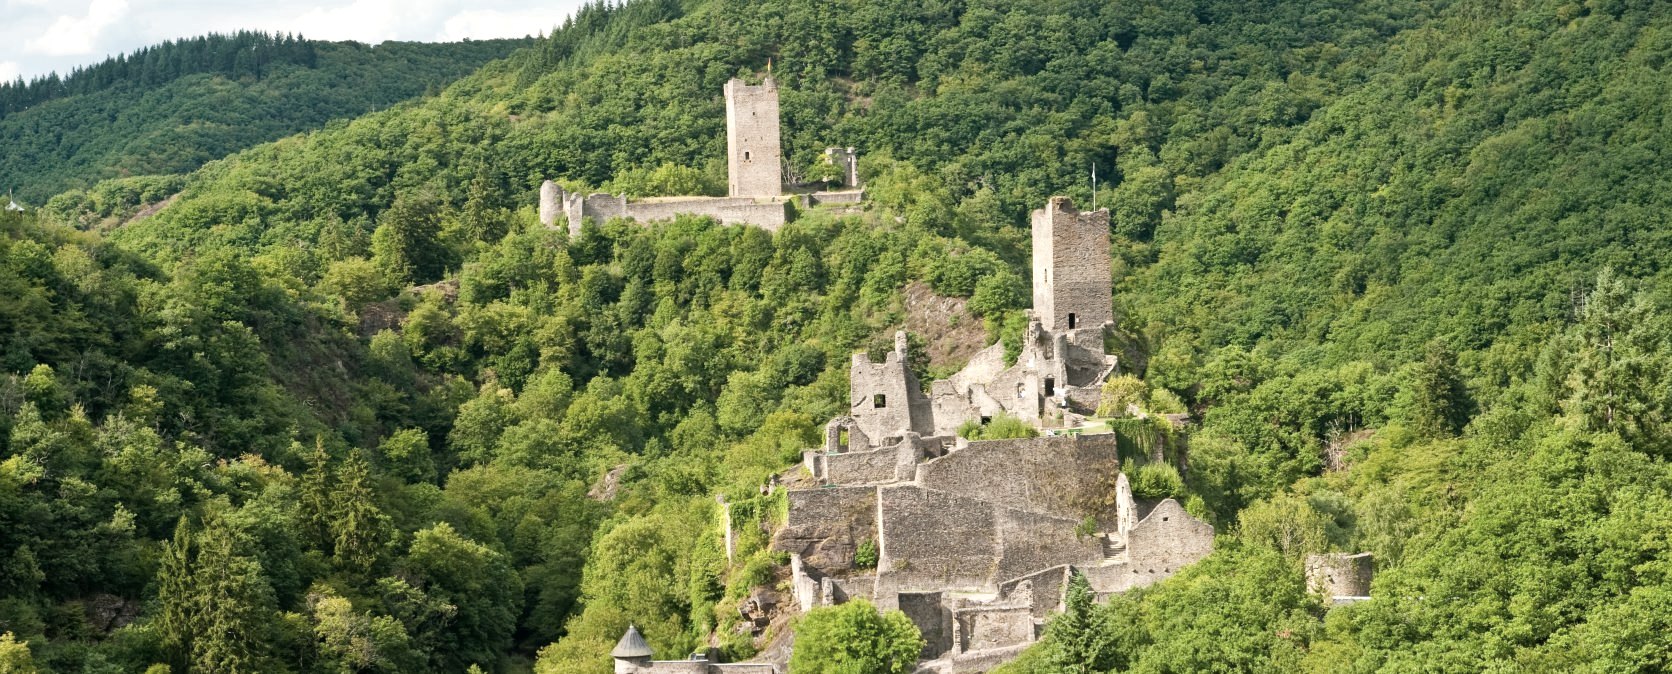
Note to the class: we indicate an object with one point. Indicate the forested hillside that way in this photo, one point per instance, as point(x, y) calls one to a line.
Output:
point(169, 108)
point(345, 406)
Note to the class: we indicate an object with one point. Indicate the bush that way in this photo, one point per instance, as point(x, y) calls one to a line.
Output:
point(1002, 427)
point(854, 639)
point(1155, 481)
point(865, 557)
point(1121, 392)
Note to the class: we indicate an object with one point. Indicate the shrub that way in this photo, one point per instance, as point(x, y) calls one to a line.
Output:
point(854, 638)
point(865, 557)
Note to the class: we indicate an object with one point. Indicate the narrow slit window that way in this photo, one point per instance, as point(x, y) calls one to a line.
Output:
point(1071, 321)
point(879, 401)
point(745, 155)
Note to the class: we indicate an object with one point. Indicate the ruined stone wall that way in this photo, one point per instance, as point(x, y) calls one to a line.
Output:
point(1167, 539)
point(769, 215)
point(826, 525)
point(1046, 587)
point(878, 466)
point(932, 619)
point(753, 145)
point(933, 539)
point(997, 627)
point(1071, 269)
point(1340, 574)
point(882, 397)
point(1030, 542)
point(1063, 476)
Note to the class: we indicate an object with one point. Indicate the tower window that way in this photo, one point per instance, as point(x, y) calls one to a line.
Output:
point(1071, 321)
point(745, 155)
point(879, 401)
point(1050, 386)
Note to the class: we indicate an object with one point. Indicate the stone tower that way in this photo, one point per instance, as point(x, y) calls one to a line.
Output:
point(551, 204)
point(1071, 276)
point(753, 146)
point(632, 655)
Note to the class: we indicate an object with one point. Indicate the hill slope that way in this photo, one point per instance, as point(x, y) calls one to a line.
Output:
point(170, 108)
point(1365, 242)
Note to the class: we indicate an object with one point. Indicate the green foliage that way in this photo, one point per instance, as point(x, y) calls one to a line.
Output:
point(1120, 393)
point(1001, 427)
point(1154, 480)
point(854, 638)
point(865, 555)
point(169, 108)
point(1305, 196)
point(14, 656)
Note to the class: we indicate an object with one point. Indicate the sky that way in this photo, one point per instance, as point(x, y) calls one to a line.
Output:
point(42, 36)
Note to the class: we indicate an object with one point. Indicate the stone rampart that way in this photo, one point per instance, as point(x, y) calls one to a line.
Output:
point(1167, 539)
point(1030, 541)
point(826, 525)
point(934, 539)
point(1063, 476)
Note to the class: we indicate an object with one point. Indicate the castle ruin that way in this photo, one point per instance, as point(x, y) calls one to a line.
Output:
point(756, 193)
point(975, 541)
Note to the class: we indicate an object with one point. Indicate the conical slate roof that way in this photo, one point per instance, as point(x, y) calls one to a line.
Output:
point(632, 645)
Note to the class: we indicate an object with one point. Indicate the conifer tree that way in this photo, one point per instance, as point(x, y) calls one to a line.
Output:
point(407, 242)
point(314, 499)
point(1434, 403)
point(358, 526)
point(1076, 646)
point(232, 607)
point(1618, 363)
point(176, 594)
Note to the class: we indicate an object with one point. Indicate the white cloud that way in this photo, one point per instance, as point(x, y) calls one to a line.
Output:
point(9, 71)
point(485, 24)
point(71, 35)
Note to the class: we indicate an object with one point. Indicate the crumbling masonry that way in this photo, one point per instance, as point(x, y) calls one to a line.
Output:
point(976, 541)
point(754, 163)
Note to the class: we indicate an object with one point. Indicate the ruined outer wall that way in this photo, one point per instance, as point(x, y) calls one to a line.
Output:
point(886, 464)
point(1063, 476)
point(934, 540)
point(1030, 542)
point(1047, 588)
point(1167, 539)
point(826, 525)
point(1340, 575)
point(768, 215)
point(1071, 266)
point(997, 627)
point(753, 150)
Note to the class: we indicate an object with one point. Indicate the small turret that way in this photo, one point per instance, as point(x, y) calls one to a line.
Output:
point(632, 652)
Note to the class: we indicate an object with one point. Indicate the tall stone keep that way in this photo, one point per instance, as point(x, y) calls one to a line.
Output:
point(753, 146)
point(1071, 277)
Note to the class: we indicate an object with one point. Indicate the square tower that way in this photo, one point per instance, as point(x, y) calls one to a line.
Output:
point(1071, 277)
point(753, 150)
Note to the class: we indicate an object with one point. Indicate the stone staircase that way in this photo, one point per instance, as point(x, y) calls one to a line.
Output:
point(1114, 549)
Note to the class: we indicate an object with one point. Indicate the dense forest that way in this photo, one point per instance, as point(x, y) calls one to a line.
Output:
point(343, 405)
point(169, 108)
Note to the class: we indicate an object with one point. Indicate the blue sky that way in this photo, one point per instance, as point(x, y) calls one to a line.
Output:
point(41, 36)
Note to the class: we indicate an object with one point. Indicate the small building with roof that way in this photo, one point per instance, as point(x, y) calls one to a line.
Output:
point(633, 656)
